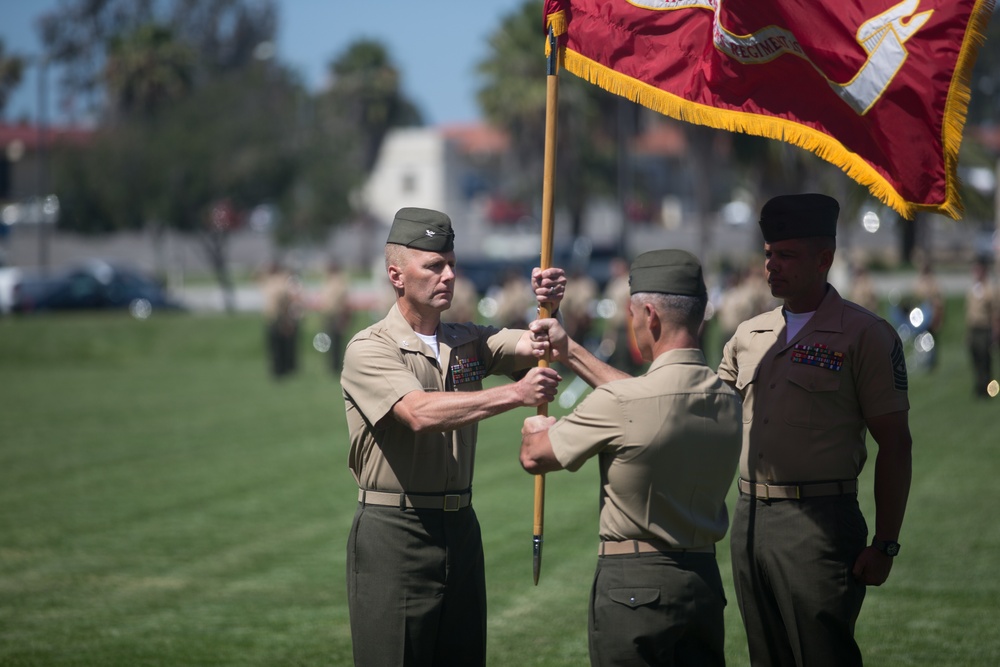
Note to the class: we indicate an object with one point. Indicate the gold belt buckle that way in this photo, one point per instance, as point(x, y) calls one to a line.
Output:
point(452, 502)
point(767, 491)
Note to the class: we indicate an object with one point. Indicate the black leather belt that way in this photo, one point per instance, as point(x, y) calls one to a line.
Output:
point(767, 491)
point(447, 502)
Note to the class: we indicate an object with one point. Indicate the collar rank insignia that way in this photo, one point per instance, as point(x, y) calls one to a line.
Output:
point(818, 355)
point(467, 370)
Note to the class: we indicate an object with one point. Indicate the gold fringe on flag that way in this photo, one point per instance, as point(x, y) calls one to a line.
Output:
point(823, 145)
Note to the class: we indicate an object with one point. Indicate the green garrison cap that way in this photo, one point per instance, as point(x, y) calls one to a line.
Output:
point(423, 229)
point(799, 217)
point(667, 272)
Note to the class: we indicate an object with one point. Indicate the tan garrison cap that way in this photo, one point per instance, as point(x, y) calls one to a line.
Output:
point(423, 229)
point(799, 217)
point(668, 272)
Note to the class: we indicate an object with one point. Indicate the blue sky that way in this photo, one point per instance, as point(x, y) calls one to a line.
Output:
point(435, 44)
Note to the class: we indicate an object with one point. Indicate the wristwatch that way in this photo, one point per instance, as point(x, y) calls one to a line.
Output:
point(888, 547)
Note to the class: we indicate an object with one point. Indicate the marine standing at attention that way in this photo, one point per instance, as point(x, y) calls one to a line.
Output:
point(816, 375)
point(413, 391)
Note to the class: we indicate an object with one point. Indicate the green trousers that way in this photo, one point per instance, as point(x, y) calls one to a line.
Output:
point(792, 563)
point(416, 588)
point(657, 609)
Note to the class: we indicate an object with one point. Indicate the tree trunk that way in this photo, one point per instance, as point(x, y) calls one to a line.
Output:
point(215, 244)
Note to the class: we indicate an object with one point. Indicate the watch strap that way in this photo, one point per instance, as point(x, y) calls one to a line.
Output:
point(888, 547)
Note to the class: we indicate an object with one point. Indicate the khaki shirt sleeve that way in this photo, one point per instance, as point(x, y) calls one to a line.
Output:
point(728, 370)
point(882, 381)
point(375, 376)
point(594, 426)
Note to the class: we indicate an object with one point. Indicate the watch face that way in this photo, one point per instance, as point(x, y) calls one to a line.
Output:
point(891, 548)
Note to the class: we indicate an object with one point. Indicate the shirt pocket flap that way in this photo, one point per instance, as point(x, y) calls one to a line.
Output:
point(814, 379)
point(746, 376)
point(634, 597)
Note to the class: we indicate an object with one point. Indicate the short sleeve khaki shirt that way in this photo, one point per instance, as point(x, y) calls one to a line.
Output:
point(388, 360)
point(982, 303)
point(667, 442)
point(805, 401)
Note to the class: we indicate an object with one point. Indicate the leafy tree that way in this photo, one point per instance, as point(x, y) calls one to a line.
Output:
point(513, 97)
point(223, 34)
point(366, 93)
point(226, 34)
point(197, 127)
point(984, 106)
point(11, 70)
point(197, 166)
point(196, 130)
point(147, 69)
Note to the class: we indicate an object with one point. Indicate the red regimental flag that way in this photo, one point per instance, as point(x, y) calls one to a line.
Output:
point(877, 87)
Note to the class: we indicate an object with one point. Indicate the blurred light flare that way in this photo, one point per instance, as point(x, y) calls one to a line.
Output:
point(488, 307)
point(140, 309)
point(871, 222)
point(322, 343)
point(924, 342)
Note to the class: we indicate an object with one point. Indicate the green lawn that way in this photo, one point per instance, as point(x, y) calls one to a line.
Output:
point(164, 502)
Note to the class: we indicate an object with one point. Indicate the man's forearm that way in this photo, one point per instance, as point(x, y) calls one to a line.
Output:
point(593, 371)
point(450, 411)
point(893, 472)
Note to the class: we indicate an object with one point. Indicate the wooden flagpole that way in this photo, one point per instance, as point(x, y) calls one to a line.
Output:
point(548, 207)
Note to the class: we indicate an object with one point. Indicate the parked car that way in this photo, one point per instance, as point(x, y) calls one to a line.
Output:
point(92, 285)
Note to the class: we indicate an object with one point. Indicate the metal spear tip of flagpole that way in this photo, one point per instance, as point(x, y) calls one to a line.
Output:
point(536, 556)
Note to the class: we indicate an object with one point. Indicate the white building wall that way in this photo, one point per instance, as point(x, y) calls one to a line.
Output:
point(415, 167)
point(420, 167)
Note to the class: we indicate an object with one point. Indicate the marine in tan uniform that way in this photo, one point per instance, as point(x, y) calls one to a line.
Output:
point(335, 309)
point(982, 326)
point(667, 444)
point(746, 298)
point(413, 392)
point(618, 343)
point(930, 300)
point(282, 310)
point(464, 303)
point(513, 301)
point(815, 375)
point(863, 289)
point(577, 308)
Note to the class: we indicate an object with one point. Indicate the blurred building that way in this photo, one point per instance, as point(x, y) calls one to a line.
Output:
point(449, 168)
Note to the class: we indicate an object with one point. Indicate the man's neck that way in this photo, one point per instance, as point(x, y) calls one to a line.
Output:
point(424, 322)
point(809, 303)
point(677, 340)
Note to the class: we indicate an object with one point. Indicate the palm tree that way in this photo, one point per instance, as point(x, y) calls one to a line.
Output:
point(513, 98)
point(11, 70)
point(147, 69)
point(366, 93)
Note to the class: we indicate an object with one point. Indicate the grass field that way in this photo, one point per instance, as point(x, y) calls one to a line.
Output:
point(163, 502)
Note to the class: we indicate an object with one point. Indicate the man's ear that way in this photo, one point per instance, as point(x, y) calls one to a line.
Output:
point(652, 320)
point(825, 259)
point(395, 276)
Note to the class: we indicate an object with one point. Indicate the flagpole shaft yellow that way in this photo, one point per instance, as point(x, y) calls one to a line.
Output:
point(548, 213)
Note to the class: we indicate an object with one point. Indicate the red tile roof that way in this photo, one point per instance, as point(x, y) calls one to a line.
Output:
point(29, 135)
point(475, 138)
